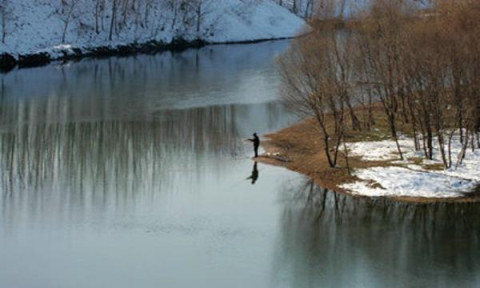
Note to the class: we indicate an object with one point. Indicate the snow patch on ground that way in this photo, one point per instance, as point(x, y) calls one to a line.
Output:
point(257, 20)
point(379, 150)
point(412, 180)
point(399, 181)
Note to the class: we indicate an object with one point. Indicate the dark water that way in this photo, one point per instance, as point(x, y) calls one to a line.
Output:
point(332, 240)
point(132, 172)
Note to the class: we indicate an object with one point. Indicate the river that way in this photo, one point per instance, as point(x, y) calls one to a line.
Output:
point(135, 172)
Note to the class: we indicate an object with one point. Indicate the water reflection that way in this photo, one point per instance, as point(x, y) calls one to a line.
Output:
point(332, 240)
point(99, 135)
point(255, 174)
point(136, 87)
point(76, 166)
point(123, 169)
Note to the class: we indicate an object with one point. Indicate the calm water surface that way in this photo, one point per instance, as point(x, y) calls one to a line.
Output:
point(134, 172)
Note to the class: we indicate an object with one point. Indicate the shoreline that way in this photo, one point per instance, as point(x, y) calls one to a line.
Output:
point(298, 148)
point(65, 53)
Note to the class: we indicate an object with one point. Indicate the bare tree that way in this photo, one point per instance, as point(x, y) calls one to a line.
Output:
point(67, 13)
point(309, 9)
point(423, 68)
point(148, 4)
point(6, 13)
point(99, 14)
point(200, 9)
point(316, 73)
point(382, 43)
point(174, 6)
point(113, 17)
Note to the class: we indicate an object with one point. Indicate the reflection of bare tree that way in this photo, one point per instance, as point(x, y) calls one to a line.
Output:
point(100, 135)
point(44, 146)
point(333, 240)
point(105, 163)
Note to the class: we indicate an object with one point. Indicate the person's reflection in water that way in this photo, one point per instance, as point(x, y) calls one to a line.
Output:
point(254, 175)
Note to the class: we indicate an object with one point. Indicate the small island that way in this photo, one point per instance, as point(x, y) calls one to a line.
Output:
point(391, 101)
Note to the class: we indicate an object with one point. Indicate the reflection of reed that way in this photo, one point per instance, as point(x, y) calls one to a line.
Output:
point(335, 240)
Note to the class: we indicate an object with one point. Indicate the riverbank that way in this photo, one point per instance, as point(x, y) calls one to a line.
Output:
point(376, 170)
point(38, 32)
point(69, 53)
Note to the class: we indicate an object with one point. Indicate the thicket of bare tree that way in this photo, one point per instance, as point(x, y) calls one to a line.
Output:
point(318, 73)
point(109, 18)
point(423, 66)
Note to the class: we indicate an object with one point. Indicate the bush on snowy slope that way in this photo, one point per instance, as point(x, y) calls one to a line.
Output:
point(68, 27)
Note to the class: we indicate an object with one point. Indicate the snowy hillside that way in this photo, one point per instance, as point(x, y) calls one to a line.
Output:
point(33, 26)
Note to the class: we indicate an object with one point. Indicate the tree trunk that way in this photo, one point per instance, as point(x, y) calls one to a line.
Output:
point(450, 148)
point(113, 19)
point(441, 147)
point(462, 153)
point(393, 129)
point(65, 27)
point(199, 18)
point(325, 141)
point(97, 12)
point(347, 163)
point(4, 26)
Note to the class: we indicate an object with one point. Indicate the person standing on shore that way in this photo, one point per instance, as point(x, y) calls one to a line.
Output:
point(256, 143)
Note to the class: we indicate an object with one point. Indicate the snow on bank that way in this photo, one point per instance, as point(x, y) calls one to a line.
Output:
point(398, 181)
point(408, 179)
point(379, 150)
point(36, 26)
point(255, 20)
